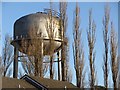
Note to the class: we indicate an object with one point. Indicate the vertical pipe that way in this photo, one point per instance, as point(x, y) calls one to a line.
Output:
point(15, 63)
point(61, 66)
point(58, 66)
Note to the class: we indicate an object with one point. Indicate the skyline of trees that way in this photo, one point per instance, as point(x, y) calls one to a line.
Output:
point(108, 40)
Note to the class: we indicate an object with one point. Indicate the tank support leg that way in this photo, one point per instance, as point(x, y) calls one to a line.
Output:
point(58, 65)
point(15, 63)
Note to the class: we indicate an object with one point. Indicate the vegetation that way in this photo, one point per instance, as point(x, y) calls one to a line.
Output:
point(106, 43)
point(36, 64)
point(7, 57)
point(114, 55)
point(63, 28)
point(91, 35)
point(78, 52)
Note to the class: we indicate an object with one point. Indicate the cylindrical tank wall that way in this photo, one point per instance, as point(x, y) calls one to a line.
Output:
point(37, 23)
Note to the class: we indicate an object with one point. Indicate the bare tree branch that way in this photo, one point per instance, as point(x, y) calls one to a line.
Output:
point(63, 28)
point(114, 57)
point(78, 52)
point(106, 43)
point(91, 35)
point(7, 55)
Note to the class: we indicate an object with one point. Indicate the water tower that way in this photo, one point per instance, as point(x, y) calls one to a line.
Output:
point(37, 23)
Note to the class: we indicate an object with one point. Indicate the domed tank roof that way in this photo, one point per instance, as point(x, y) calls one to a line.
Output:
point(37, 23)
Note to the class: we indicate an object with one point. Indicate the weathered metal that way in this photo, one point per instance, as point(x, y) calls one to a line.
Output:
point(38, 24)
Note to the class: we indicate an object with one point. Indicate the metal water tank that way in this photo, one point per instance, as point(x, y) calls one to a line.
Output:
point(37, 23)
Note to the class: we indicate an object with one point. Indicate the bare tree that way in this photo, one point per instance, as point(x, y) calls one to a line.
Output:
point(36, 41)
point(1, 66)
point(118, 79)
point(50, 27)
point(68, 71)
point(28, 65)
point(118, 72)
point(50, 35)
point(91, 35)
point(113, 53)
point(27, 60)
point(106, 43)
point(78, 52)
point(69, 75)
point(32, 45)
point(7, 55)
point(45, 68)
point(63, 28)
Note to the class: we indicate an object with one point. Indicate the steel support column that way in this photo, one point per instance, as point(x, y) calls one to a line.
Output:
point(15, 63)
point(58, 65)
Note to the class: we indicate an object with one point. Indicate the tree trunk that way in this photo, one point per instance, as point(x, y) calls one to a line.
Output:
point(36, 67)
point(63, 63)
point(51, 67)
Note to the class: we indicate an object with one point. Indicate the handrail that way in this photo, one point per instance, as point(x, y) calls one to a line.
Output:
point(53, 12)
